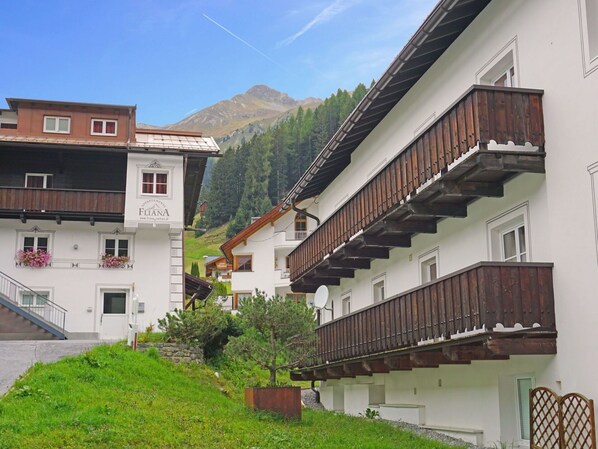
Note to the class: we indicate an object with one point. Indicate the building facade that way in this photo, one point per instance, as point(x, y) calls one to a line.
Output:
point(92, 213)
point(459, 232)
point(259, 254)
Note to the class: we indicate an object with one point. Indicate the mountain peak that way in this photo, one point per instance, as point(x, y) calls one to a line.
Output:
point(260, 90)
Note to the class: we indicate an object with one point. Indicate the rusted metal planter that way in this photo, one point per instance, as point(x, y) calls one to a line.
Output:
point(285, 401)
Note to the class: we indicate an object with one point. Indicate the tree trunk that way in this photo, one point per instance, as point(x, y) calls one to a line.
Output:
point(272, 377)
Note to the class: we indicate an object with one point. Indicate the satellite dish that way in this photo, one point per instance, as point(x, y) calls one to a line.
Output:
point(321, 297)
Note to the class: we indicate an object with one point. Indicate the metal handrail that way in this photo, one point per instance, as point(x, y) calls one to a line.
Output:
point(49, 311)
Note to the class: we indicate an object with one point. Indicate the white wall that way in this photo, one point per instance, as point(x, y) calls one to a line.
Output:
point(546, 38)
point(76, 288)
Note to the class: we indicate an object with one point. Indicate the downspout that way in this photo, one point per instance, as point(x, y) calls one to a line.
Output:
point(129, 128)
point(304, 212)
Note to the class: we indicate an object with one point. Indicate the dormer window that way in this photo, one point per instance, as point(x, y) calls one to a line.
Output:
point(38, 180)
point(60, 125)
point(101, 127)
point(154, 183)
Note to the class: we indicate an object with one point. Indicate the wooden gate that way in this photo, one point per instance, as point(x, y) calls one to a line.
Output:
point(561, 422)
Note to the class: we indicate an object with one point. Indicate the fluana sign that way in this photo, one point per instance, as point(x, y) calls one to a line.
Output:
point(153, 210)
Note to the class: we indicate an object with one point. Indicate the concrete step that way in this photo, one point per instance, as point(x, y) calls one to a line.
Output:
point(409, 413)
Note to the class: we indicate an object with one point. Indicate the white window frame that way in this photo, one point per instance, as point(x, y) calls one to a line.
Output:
point(518, 252)
point(516, 379)
point(376, 280)
point(104, 121)
point(56, 130)
point(45, 176)
point(496, 227)
point(36, 236)
point(589, 46)
point(345, 299)
point(154, 172)
point(501, 62)
point(35, 304)
point(593, 170)
point(424, 262)
point(117, 237)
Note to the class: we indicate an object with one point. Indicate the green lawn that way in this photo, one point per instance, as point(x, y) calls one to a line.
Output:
point(206, 245)
point(113, 397)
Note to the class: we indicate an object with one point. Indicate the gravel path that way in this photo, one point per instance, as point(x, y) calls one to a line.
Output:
point(18, 356)
point(309, 400)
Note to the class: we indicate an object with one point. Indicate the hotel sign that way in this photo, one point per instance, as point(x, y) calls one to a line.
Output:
point(153, 211)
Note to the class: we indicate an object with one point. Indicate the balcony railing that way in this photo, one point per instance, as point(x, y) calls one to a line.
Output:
point(517, 296)
point(482, 114)
point(61, 200)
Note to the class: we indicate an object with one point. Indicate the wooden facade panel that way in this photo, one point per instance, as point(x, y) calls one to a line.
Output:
point(521, 293)
point(483, 114)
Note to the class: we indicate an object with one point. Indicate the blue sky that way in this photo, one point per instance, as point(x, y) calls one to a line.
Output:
point(174, 57)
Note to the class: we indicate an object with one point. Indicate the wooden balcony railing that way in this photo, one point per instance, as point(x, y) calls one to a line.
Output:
point(477, 297)
point(482, 114)
point(61, 201)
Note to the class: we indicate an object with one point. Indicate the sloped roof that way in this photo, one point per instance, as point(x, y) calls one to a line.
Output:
point(440, 29)
point(270, 217)
point(148, 139)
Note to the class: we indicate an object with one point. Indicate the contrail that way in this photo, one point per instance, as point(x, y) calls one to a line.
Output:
point(326, 14)
point(244, 41)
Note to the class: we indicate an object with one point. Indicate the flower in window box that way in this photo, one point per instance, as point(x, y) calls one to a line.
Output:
point(34, 258)
point(110, 261)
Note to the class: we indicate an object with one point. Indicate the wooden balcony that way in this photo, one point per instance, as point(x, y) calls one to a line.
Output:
point(488, 311)
point(436, 176)
point(59, 204)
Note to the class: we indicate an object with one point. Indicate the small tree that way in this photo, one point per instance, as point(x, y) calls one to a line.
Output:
point(277, 334)
point(195, 269)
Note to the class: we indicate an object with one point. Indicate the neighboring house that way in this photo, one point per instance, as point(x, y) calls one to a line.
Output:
point(107, 202)
point(202, 207)
point(459, 223)
point(218, 267)
point(259, 254)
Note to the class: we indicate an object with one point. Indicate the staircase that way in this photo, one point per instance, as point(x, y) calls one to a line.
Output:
point(40, 320)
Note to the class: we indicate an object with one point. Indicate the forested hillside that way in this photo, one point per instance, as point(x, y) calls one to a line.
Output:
point(252, 177)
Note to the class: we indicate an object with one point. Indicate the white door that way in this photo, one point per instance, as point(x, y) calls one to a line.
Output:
point(113, 314)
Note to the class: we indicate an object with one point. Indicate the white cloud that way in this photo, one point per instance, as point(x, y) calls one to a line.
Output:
point(323, 16)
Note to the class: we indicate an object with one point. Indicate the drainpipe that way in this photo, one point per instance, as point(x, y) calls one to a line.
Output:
point(304, 212)
point(129, 128)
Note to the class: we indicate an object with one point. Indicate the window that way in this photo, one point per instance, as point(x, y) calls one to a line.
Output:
point(378, 289)
point(502, 69)
point(154, 183)
point(287, 264)
point(509, 236)
point(103, 127)
point(300, 226)
point(513, 244)
point(428, 266)
point(115, 303)
point(61, 125)
point(116, 247)
point(346, 304)
point(243, 263)
point(38, 180)
point(5, 125)
point(523, 386)
point(36, 243)
point(588, 11)
point(297, 297)
point(34, 299)
point(238, 297)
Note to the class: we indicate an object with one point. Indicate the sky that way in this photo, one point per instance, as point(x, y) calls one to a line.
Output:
point(172, 58)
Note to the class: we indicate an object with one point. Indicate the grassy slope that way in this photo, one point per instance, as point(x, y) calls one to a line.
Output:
point(206, 245)
point(115, 398)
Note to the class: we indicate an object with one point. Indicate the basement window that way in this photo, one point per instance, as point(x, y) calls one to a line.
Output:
point(34, 299)
point(60, 125)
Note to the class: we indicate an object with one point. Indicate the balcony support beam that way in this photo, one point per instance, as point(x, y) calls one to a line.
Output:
point(375, 366)
point(471, 189)
point(366, 252)
point(335, 272)
point(402, 363)
point(317, 281)
point(517, 163)
point(389, 241)
point(522, 346)
point(470, 353)
point(411, 226)
point(356, 264)
point(437, 210)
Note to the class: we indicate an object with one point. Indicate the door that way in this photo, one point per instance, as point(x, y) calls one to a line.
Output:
point(114, 315)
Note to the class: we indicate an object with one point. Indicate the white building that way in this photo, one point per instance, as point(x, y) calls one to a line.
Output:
point(459, 223)
point(259, 254)
point(107, 203)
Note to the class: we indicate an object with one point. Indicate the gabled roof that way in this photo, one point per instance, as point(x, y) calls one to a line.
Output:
point(440, 29)
point(270, 217)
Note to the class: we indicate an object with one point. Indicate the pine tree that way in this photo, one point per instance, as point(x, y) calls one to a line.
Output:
point(195, 269)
